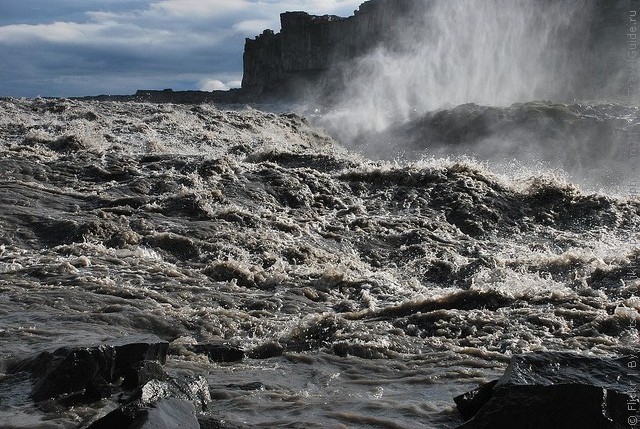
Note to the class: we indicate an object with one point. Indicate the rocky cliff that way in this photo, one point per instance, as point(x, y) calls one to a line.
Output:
point(308, 45)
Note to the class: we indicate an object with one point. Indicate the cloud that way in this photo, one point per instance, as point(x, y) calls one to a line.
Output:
point(206, 9)
point(218, 85)
point(57, 32)
point(84, 47)
point(252, 26)
point(200, 8)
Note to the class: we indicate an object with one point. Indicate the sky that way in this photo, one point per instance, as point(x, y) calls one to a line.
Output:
point(67, 48)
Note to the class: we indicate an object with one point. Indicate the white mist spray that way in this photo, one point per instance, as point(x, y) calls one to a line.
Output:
point(491, 52)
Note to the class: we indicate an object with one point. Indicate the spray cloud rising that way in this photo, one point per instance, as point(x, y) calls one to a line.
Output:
point(491, 53)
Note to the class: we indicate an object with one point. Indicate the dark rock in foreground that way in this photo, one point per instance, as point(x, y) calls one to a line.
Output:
point(556, 390)
point(188, 387)
point(131, 367)
point(166, 413)
point(75, 375)
point(169, 403)
point(143, 372)
point(85, 375)
point(212, 423)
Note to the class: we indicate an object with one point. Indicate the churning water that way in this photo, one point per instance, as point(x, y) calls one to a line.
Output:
point(367, 289)
point(388, 287)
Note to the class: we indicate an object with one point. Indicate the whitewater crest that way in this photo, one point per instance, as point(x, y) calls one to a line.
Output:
point(344, 280)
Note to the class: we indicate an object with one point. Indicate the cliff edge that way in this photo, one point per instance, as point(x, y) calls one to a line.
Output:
point(295, 60)
point(308, 45)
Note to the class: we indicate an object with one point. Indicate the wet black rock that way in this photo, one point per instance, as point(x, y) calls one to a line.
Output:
point(88, 374)
point(165, 413)
point(556, 390)
point(213, 423)
point(121, 417)
point(470, 403)
point(170, 413)
point(160, 403)
point(220, 352)
point(130, 351)
point(188, 387)
point(74, 375)
point(142, 373)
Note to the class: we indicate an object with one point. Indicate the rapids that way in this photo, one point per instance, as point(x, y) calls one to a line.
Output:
point(366, 293)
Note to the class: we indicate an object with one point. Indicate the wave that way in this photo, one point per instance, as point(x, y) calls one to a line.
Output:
point(194, 222)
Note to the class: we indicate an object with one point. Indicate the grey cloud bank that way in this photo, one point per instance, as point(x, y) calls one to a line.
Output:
point(75, 48)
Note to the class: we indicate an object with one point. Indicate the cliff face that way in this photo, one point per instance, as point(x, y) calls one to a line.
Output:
point(308, 45)
point(275, 64)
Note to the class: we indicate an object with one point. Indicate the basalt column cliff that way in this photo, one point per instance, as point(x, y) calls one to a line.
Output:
point(309, 45)
point(296, 59)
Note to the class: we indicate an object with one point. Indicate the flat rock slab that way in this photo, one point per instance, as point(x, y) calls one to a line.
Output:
point(556, 390)
point(168, 413)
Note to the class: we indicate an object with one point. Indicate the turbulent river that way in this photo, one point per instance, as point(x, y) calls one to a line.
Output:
point(365, 292)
